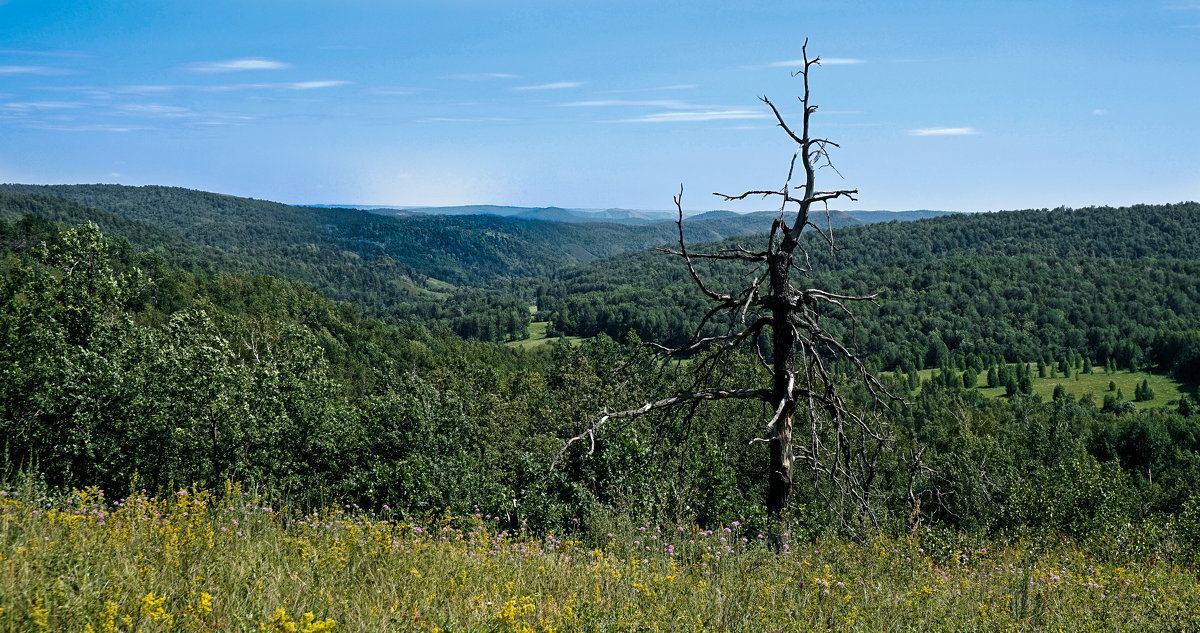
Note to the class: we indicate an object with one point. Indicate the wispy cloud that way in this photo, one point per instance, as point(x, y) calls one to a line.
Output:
point(825, 61)
point(92, 128)
point(689, 116)
point(39, 106)
point(397, 91)
point(481, 76)
point(154, 109)
point(654, 88)
point(451, 119)
point(22, 51)
point(159, 89)
point(558, 85)
point(315, 85)
point(676, 111)
point(1099, 112)
point(32, 70)
point(943, 131)
point(670, 104)
point(238, 65)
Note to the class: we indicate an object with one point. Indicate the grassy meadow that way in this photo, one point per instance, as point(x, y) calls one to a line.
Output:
point(197, 560)
point(1078, 384)
point(537, 337)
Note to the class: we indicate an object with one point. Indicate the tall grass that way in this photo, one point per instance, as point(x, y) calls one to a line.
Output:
point(225, 561)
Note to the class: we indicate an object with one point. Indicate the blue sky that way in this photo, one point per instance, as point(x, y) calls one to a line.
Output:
point(963, 105)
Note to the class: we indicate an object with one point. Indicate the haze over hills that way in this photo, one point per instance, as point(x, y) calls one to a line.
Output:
point(453, 269)
point(461, 248)
point(554, 214)
point(622, 216)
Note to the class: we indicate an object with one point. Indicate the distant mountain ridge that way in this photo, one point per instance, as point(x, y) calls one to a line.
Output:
point(551, 214)
point(619, 216)
point(398, 266)
point(378, 261)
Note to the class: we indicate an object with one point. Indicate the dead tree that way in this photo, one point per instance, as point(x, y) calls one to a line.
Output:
point(840, 444)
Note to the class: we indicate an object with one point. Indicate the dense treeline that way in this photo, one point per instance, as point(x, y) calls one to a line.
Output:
point(110, 371)
point(1119, 283)
point(400, 269)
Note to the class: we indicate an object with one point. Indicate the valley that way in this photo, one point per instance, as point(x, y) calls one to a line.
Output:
point(392, 372)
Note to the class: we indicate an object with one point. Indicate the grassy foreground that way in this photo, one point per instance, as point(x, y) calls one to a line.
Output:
point(202, 561)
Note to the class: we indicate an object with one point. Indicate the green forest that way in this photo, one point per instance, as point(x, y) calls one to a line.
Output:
point(159, 348)
point(150, 342)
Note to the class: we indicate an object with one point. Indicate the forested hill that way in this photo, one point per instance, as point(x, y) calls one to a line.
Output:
point(471, 250)
point(1102, 281)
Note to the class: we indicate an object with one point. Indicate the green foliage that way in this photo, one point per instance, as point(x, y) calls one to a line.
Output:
point(115, 361)
point(984, 285)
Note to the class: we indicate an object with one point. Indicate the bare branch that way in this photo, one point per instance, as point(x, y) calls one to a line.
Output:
point(673, 401)
point(683, 251)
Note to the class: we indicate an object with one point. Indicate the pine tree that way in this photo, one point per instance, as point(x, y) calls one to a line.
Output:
point(969, 377)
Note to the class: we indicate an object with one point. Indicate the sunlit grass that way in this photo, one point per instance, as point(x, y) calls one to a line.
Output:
point(1078, 384)
point(537, 337)
point(199, 561)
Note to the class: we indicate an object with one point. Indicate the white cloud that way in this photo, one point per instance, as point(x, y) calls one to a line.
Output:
point(313, 85)
point(670, 104)
point(163, 88)
point(238, 65)
point(448, 119)
point(694, 116)
point(31, 70)
point(943, 131)
point(397, 91)
point(154, 109)
point(21, 51)
point(29, 106)
point(1099, 112)
point(825, 61)
point(93, 128)
point(558, 85)
point(481, 76)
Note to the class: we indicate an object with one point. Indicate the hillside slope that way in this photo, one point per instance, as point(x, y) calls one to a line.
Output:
point(1100, 281)
point(474, 250)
